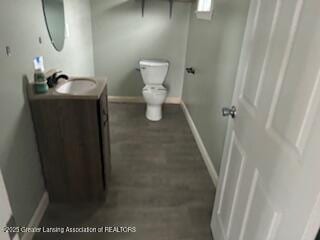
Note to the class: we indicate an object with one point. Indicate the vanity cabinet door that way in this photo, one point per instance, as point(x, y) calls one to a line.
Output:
point(105, 136)
point(68, 138)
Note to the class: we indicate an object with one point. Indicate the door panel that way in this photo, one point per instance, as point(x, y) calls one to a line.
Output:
point(231, 183)
point(270, 163)
point(259, 210)
point(298, 89)
point(258, 58)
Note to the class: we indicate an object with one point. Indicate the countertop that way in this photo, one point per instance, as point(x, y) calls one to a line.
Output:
point(53, 94)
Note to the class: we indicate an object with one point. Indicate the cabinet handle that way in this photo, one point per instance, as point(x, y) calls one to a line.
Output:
point(104, 117)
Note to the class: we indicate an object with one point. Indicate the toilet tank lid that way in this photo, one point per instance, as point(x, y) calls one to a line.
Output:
point(154, 63)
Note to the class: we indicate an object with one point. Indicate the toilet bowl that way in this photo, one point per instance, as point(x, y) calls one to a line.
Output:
point(154, 97)
point(154, 73)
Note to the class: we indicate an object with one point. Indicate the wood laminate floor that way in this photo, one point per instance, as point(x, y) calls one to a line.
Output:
point(159, 183)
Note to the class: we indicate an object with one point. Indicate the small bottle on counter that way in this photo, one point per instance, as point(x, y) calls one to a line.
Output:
point(40, 82)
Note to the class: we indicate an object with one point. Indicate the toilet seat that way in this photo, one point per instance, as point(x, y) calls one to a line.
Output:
point(155, 89)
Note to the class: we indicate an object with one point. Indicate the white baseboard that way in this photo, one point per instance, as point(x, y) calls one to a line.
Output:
point(37, 216)
point(139, 99)
point(201, 146)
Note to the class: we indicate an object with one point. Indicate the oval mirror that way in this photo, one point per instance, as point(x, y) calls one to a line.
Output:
point(55, 21)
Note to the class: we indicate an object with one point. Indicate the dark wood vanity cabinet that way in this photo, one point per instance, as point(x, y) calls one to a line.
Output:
point(74, 146)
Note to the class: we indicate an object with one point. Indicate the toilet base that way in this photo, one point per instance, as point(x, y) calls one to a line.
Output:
point(154, 112)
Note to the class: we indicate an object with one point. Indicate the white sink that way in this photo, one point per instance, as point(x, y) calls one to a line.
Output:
point(76, 86)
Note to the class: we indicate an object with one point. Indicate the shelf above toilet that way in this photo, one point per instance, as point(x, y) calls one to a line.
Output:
point(143, 2)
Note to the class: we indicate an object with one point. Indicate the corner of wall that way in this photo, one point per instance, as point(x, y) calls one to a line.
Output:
point(92, 40)
point(190, 12)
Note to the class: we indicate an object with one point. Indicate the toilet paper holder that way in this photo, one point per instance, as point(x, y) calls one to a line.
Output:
point(190, 70)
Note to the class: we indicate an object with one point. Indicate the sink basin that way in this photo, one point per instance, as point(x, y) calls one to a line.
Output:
point(76, 86)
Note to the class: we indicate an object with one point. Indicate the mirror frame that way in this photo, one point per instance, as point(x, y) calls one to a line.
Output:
point(48, 29)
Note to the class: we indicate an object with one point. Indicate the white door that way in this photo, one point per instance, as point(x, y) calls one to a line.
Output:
point(5, 210)
point(270, 175)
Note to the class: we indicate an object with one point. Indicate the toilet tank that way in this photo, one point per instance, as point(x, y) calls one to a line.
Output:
point(154, 71)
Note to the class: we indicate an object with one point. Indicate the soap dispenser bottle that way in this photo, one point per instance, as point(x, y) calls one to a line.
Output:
point(40, 82)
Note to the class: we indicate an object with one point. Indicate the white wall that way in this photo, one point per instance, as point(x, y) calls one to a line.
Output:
point(122, 37)
point(21, 23)
point(214, 50)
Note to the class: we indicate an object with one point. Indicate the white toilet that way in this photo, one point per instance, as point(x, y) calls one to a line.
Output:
point(154, 73)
